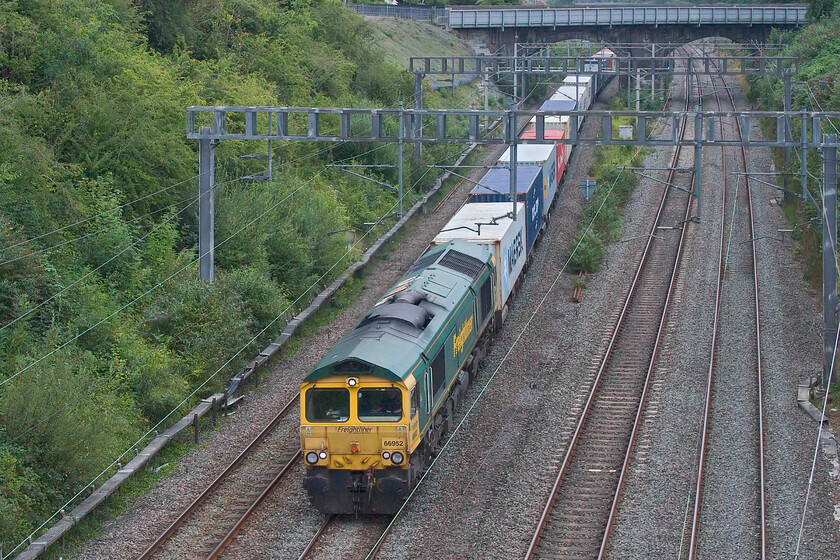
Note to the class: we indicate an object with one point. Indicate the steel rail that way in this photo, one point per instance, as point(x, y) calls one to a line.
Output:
point(698, 491)
point(611, 345)
point(311, 544)
point(188, 511)
point(252, 508)
point(701, 461)
point(758, 357)
point(637, 421)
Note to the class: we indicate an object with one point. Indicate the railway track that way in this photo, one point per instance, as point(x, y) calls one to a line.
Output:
point(339, 534)
point(748, 319)
point(581, 507)
point(205, 527)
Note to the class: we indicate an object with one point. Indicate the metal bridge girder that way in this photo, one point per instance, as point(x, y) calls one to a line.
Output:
point(460, 125)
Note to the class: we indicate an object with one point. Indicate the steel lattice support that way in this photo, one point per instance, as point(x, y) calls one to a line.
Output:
point(206, 204)
point(334, 125)
point(553, 64)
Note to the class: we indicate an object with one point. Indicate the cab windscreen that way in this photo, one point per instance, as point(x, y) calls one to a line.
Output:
point(380, 405)
point(327, 405)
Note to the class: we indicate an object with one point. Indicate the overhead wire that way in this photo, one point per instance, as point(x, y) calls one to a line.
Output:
point(76, 337)
point(332, 146)
point(831, 369)
point(98, 268)
point(132, 221)
point(68, 403)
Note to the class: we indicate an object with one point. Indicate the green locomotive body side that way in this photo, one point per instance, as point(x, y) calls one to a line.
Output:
point(417, 337)
point(458, 320)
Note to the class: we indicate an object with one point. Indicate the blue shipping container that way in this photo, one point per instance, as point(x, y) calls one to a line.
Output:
point(495, 187)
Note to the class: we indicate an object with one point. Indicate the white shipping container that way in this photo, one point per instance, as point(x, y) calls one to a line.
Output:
point(551, 123)
point(544, 155)
point(490, 226)
point(584, 83)
point(569, 92)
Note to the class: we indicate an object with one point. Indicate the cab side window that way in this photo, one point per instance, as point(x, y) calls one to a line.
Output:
point(415, 402)
point(487, 297)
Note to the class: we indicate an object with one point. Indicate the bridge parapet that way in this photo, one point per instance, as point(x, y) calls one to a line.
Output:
point(490, 18)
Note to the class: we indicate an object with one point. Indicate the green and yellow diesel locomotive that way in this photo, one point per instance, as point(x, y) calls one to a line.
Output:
point(374, 409)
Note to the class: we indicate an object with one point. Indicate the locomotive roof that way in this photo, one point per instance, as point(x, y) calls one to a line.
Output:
point(393, 337)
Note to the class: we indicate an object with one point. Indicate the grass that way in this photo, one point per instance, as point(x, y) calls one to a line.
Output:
point(405, 38)
point(604, 208)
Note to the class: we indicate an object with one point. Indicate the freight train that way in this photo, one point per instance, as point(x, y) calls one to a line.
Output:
point(375, 409)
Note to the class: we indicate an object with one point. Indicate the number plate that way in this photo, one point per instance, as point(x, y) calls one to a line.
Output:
point(392, 443)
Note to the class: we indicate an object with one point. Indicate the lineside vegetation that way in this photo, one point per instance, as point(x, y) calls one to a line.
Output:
point(98, 208)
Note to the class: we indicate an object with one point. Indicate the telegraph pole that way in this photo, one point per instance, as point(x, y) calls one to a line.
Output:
point(515, 73)
point(787, 120)
point(829, 235)
point(638, 79)
point(698, 158)
point(400, 162)
point(206, 203)
point(418, 121)
point(803, 173)
point(486, 99)
point(511, 131)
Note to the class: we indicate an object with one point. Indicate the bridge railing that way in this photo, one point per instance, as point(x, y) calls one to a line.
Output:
point(437, 14)
point(566, 17)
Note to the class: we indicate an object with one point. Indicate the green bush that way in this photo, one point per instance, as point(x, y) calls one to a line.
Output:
point(603, 209)
point(588, 251)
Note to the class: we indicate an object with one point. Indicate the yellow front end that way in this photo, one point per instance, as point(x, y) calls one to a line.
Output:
point(356, 435)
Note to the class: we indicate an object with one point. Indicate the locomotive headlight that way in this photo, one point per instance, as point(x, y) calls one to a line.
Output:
point(322, 454)
point(386, 455)
point(397, 458)
point(311, 457)
point(352, 381)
